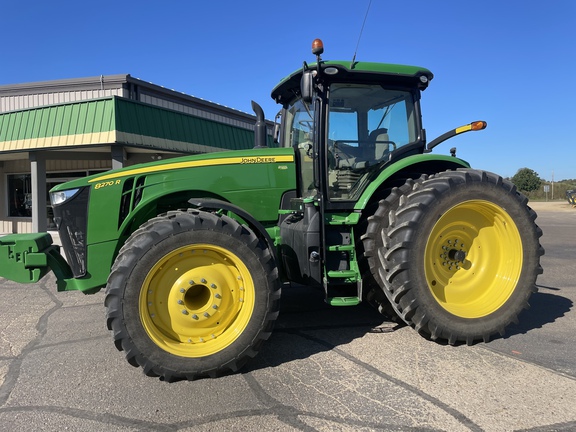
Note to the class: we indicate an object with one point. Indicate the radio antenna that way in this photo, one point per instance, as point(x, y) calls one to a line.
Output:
point(360, 35)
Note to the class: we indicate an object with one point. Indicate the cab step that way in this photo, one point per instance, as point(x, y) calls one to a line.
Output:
point(343, 301)
point(343, 274)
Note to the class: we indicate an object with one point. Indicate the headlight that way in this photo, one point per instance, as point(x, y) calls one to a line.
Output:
point(62, 196)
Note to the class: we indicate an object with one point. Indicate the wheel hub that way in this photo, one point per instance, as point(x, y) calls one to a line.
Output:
point(457, 255)
point(453, 254)
point(199, 300)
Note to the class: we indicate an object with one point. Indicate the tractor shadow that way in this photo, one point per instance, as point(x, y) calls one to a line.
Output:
point(304, 314)
point(545, 307)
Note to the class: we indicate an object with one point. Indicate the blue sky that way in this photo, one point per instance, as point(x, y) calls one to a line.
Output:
point(509, 62)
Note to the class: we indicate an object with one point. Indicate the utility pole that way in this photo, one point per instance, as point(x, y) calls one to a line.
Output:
point(552, 185)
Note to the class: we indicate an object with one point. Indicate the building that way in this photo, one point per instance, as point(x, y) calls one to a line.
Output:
point(55, 131)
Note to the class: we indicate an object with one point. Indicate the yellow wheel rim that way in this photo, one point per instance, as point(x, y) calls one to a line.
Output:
point(196, 300)
point(473, 259)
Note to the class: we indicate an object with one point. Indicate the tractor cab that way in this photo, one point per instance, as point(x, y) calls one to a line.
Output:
point(346, 123)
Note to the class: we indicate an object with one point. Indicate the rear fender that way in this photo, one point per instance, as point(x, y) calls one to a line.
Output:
point(409, 167)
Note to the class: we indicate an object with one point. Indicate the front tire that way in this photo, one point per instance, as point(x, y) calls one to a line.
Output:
point(192, 294)
point(460, 256)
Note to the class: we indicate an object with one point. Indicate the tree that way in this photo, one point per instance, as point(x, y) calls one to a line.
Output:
point(526, 180)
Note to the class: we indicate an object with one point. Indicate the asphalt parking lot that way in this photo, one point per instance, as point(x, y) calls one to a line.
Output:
point(323, 369)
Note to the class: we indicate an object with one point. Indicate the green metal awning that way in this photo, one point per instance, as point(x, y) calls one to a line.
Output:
point(117, 120)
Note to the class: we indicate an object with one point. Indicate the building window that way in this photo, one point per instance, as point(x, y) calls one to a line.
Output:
point(20, 195)
point(20, 191)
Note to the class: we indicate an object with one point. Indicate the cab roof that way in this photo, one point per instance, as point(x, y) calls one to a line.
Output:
point(386, 73)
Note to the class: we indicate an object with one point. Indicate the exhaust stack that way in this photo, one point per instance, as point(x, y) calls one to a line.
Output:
point(259, 127)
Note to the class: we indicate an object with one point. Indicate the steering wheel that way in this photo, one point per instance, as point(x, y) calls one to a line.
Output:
point(307, 146)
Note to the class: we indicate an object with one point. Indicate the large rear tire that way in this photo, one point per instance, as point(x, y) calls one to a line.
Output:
point(192, 294)
point(372, 228)
point(460, 255)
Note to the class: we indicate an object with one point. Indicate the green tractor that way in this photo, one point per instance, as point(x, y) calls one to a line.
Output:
point(193, 251)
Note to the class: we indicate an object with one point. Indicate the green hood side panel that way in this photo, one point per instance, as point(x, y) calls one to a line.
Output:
point(253, 179)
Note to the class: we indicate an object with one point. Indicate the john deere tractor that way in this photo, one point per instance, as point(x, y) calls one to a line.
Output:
point(193, 251)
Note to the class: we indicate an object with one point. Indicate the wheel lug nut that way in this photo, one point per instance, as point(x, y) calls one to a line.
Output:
point(203, 280)
point(206, 314)
point(218, 296)
point(191, 282)
point(180, 302)
point(213, 286)
point(182, 290)
point(215, 307)
point(184, 311)
point(195, 316)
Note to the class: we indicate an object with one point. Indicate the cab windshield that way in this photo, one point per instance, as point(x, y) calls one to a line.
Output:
point(366, 123)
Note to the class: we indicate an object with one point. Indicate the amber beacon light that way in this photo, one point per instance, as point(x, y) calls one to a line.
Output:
point(317, 46)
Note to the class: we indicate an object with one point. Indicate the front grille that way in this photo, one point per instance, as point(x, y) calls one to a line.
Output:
point(71, 218)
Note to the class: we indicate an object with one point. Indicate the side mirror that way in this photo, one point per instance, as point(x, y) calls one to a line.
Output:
point(307, 86)
point(276, 133)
